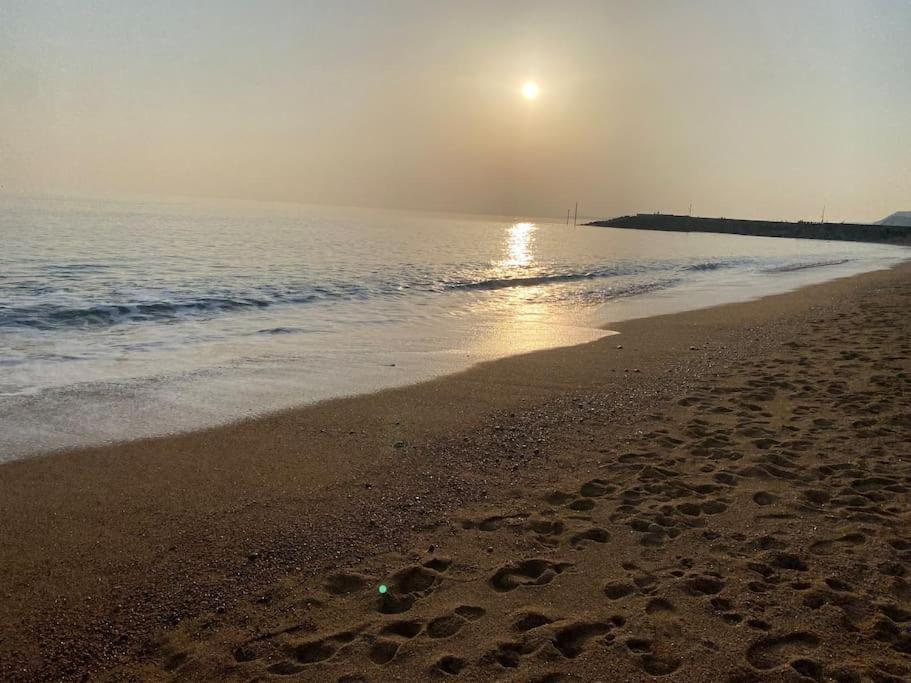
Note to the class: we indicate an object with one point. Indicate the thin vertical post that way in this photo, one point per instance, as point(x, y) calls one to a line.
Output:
point(575, 213)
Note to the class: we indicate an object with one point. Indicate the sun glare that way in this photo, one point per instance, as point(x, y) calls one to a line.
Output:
point(530, 90)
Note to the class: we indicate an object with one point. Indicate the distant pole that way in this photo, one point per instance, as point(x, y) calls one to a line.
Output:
point(691, 209)
point(575, 213)
point(823, 219)
point(567, 218)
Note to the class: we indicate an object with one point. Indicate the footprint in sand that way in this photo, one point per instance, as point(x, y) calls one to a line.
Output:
point(616, 590)
point(570, 640)
point(527, 621)
point(445, 626)
point(764, 498)
point(312, 652)
point(582, 505)
point(411, 583)
point(438, 564)
point(558, 498)
point(595, 535)
point(403, 629)
point(342, 583)
point(596, 488)
point(492, 523)
point(826, 547)
point(509, 654)
point(702, 585)
point(383, 651)
point(648, 661)
point(450, 665)
point(394, 634)
point(547, 531)
point(774, 651)
point(534, 572)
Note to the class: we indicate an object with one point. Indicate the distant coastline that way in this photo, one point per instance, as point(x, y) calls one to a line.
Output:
point(848, 232)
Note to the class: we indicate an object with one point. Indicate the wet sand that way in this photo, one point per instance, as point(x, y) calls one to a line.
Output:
point(725, 497)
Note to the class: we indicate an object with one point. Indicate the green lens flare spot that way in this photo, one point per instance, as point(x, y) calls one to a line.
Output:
point(382, 589)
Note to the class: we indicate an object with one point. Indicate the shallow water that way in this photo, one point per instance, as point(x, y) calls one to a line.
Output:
point(121, 319)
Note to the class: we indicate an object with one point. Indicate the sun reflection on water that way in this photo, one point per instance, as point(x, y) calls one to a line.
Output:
point(517, 311)
point(519, 258)
point(519, 315)
point(520, 242)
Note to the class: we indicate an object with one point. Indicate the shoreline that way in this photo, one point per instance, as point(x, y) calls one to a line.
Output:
point(194, 522)
point(697, 296)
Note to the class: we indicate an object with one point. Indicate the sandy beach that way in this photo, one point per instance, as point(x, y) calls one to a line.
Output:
point(717, 495)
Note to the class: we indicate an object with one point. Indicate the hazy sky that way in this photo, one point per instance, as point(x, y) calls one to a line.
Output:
point(760, 109)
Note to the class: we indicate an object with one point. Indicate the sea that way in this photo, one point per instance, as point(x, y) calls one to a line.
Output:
point(128, 318)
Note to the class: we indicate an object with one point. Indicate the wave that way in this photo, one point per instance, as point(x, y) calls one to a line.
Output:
point(711, 265)
point(537, 280)
point(76, 268)
point(592, 274)
point(791, 267)
point(708, 266)
point(629, 290)
point(280, 330)
point(166, 306)
point(48, 316)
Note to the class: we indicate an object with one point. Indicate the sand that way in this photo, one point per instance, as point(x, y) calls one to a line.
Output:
point(723, 498)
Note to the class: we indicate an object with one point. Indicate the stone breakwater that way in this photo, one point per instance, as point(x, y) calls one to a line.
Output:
point(847, 232)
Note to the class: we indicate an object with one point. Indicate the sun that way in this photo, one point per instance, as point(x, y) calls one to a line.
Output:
point(530, 90)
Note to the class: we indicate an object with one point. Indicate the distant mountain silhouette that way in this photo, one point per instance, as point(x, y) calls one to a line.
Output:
point(897, 218)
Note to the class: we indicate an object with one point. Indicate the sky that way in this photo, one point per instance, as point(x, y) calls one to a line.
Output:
point(768, 109)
